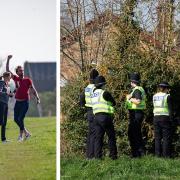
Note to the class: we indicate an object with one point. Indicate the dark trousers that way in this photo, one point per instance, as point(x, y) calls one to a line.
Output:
point(104, 123)
point(20, 110)
point(134, 132)
point(91, 134)
point(3, 119)
point(163, 135)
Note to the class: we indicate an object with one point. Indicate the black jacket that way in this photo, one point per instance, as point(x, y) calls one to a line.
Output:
point(4, 97)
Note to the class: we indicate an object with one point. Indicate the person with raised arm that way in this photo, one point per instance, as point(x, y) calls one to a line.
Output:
point(23, 85)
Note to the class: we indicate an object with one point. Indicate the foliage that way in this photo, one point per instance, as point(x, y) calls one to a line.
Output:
point(34, 158)
point(73, 129)
point(126, 53)
point(153, 65)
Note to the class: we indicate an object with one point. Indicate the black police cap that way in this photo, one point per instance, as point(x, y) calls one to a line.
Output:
point(93, 74)
point(164, 84)
point(135, 77)
point(100, 80)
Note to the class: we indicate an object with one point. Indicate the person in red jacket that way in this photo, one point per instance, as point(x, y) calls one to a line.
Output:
point(23, 85)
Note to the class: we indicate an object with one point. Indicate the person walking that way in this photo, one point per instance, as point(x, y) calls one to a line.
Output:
point(4, 97)
point(23, 85)
point(103, 111)
point(163, 120)
point(136, 104)
point(85, 100)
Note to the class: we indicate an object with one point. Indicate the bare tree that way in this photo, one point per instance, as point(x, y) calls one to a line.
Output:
point(86, 32)
point(85, 42)
point(158, 18)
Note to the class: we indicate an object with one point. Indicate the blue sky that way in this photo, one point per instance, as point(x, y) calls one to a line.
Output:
point(27, 30)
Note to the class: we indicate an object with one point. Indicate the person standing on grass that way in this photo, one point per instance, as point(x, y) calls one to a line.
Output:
point(136, 104)
point(163, 120)
point(4, 97)
point(103, 111)
point(23, 85)
point(85, 100)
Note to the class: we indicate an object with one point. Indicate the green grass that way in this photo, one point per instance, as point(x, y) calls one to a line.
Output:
point(34, 158)
point(148, 167)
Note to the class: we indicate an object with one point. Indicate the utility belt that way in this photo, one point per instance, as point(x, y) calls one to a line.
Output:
point(136, 110)
point(161, 118)
point(104, 114)
point(89, 109)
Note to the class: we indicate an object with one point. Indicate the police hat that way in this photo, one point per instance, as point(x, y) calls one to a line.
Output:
point(135, 77)
point(164, 84)
point(100, 80)
point(93, 74)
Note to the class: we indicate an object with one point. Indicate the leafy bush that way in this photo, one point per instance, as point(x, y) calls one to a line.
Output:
point(73, 128)
point(125, 55)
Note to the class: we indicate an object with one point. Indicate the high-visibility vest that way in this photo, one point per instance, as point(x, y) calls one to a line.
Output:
point(142, 104)
point(100, 104)
point(88, 90)
point(160, 104)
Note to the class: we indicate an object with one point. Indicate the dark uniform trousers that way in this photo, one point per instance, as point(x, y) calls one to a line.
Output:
point(91, 134)
point(104, 123)
point(134, 132)
point(163, 135)
point(3, 119)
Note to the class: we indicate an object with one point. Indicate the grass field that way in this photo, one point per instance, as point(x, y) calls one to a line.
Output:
point(125, 168)
point(34, 158)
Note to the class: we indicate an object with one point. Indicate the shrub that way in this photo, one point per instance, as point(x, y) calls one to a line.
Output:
point(73, 128)
point(125, 55)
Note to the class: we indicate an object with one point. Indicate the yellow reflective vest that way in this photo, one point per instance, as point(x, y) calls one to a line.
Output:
point(141, 105)
point(88, 90)
point(160, 104)
point(100, 104)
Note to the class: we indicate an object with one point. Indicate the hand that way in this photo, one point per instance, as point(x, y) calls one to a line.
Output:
point(10, 56)
point(38, 100)
point(128, 96)
point(10, 94)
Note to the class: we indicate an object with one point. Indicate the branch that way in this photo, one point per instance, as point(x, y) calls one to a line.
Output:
point(64, 53)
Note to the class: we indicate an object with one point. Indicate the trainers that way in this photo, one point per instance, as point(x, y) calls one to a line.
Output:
point(5, 141)
point(20, 138)
point(27, 136)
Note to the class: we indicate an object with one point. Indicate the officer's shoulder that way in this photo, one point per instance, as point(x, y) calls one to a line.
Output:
point(137, 91)
point(169, 96)
point(106, 93)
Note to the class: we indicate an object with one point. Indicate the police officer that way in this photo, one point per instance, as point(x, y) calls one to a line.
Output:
point(163, 119)
point(135, 102)
point(85, 100)
point(103, 110)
